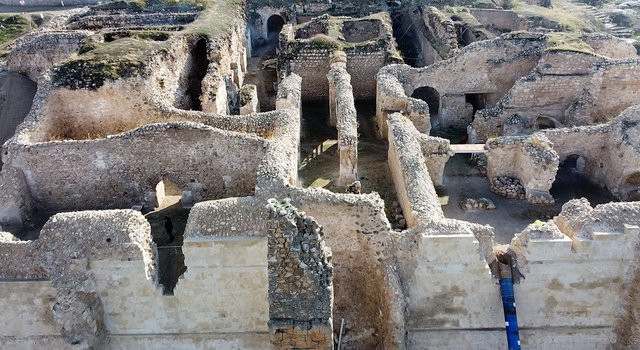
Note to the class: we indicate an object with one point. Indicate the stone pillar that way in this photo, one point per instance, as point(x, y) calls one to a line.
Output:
point(343, 115)
point(338, 60)
point(300, 281)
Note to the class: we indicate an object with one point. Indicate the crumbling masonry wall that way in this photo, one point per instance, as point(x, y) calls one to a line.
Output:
point(300, 281)
point(569, 88)
point(117, 171)
point(530, 160)
point(467, 313)
point(498, 64)
point(611, 157)
point(310, 58)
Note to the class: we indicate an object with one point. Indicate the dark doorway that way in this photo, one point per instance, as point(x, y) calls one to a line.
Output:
point(542, 123)
point(572, 181)
point(197, 72)
point(477, 101)
point(631, 188)
point(274, 26)
point(430, 96)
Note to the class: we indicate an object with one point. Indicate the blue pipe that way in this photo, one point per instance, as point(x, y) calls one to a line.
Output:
point(510, 317)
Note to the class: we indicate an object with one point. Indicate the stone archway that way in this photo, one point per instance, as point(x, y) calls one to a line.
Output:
point(274, 25)
point(543, 122)
point(429, 95)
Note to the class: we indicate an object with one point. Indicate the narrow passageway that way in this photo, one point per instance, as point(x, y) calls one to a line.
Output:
point(197, 72)
point(168, 222)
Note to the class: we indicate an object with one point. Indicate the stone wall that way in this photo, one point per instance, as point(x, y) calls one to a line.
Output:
point(36, 53)
point(610, 157)
point(612, 154)
point(569, 88)
point(436, 152)
point(311, 57)
point(300, 281)
point(414, 188)
point(114, 262)
point(530, 160)
point(440, 32)
point(118, 171)
point(497, 63)
point(366, 288)
point(498, 20)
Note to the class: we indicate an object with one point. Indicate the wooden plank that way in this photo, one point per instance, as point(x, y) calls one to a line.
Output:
point(468, 148)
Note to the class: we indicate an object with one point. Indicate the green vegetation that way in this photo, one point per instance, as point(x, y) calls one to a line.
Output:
point(12, 27)
point(125, 57)
point(216, 19)
point(567, 42)
point(571, 18)
point(126, 53)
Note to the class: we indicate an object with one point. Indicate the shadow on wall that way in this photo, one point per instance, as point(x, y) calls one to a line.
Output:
point(168, 222)
point(16, 97)
point(197, 72)
point(631, 187)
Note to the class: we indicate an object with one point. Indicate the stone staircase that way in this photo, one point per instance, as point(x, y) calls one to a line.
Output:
point(611, 27)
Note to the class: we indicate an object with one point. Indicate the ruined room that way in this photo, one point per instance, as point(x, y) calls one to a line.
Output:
point(273, 174)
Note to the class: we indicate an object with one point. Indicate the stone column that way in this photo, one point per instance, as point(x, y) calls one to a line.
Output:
point(343, 115)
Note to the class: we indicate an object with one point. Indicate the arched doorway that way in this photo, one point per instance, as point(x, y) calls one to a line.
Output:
point(274, 26)
point(630, 189)
point(430, 96)
point(542, 123)
point(575, 163)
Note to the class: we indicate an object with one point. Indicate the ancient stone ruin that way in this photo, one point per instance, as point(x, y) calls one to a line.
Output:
point(244, 174)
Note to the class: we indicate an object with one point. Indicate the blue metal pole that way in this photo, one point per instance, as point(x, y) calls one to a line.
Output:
point(510, 317)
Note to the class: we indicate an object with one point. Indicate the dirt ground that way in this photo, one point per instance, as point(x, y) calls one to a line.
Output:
point(322, 168)
point(463, 180)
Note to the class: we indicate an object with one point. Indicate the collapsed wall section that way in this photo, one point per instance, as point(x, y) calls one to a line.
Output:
point(225, 248)
point(59, 269)
point(567, 88)
point(300, 281)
